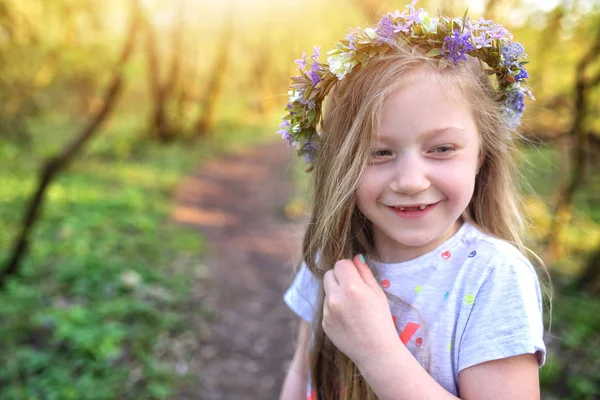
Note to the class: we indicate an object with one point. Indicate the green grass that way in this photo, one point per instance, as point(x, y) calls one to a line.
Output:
point(99, 307)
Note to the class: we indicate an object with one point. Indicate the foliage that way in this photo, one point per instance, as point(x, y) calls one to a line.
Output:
point(103, 295)
point(572, 370)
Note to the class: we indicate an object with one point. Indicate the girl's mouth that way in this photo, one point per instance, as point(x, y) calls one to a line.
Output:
point(413, 211)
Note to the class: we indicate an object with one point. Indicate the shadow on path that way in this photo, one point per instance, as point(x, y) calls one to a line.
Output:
point(237, 203)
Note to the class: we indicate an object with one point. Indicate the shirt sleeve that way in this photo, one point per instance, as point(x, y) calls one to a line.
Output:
point(505, 318)
point(303, 294)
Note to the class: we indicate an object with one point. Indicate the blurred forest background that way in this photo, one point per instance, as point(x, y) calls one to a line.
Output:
point(106, 105)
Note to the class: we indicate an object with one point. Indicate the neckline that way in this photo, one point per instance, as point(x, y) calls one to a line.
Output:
point(425, 259)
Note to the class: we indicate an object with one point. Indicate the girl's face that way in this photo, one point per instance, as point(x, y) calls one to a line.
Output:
point(422, 169)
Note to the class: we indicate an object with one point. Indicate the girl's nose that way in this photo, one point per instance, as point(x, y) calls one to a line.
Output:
point(410, 177)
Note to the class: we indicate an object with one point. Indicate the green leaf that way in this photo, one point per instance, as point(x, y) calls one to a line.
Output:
point(443, 63)
point(464, 20)
point(434, 52)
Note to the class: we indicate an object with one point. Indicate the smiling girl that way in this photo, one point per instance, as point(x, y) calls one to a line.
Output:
point(414, 284)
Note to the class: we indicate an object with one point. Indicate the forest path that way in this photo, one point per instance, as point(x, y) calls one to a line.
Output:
point(237, 203)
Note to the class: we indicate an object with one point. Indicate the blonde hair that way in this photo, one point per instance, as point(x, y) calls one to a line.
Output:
point(338, 230)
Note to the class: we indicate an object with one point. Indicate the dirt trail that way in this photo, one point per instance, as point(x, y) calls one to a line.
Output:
point(237, 202)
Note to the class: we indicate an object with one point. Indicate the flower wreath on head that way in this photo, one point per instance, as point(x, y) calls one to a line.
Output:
point(450, 41)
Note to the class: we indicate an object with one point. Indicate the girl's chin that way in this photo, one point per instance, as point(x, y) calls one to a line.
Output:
point(414, 243)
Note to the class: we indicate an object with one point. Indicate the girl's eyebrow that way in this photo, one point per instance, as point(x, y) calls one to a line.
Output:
point(427, 134)
point(439, 131)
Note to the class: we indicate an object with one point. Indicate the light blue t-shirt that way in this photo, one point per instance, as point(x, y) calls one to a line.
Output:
point(473, 299)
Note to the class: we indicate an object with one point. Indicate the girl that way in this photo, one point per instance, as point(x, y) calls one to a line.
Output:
point(414, 284)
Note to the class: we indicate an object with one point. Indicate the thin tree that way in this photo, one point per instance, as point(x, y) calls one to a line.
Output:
point(173, 84)
point(159, 124)
point(217, 78)
point(579, 155)
point(549, 36)
point(490, 9)
point(590, 276)
point(54, 165)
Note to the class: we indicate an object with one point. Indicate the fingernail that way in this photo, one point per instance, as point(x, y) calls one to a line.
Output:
point(362, 258)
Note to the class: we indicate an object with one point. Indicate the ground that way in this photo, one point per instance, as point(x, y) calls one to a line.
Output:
point(237, 204)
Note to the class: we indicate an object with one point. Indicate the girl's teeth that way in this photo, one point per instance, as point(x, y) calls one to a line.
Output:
point(402, 208)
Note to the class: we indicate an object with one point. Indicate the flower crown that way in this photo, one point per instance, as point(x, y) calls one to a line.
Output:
point(449, 40)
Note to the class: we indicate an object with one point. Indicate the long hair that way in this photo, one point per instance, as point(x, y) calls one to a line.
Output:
point(338, 230)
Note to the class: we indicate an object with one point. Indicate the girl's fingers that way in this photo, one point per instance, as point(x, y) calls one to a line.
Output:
point(364, 271)
point(329, 282)
point(346, 273)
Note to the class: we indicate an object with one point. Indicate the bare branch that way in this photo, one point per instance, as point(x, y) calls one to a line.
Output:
point(55, 164)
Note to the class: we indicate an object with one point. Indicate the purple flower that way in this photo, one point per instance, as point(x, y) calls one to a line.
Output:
point(351, 39)
point(301, 61)
point(497, 31)
point(400, 27)
point(514, 105)
point(482, 41)
point(285, 131)
point(481, 24)
point(309, 149)
point(409, 15)
point(314, 77)
point(522, 75)
point(317, 52)
point(385, 28)
point(287, 136)
point(308, 103)
point(510, 54)
point(456, 46)
point(398, 14)
point(515, 101)
point(468, 24)
point(413, 16)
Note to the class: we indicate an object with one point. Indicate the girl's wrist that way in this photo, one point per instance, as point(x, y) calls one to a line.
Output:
point(386, 352)
point(396, 375)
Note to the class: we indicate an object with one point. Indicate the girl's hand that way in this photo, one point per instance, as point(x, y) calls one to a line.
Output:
point(356, 314)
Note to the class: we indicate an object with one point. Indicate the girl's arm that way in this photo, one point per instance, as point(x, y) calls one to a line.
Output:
point(294, 385)
point(509, 378)
point(357, 319)
point(397, 375)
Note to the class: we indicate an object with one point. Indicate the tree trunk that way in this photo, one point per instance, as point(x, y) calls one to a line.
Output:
point(579, 155)
point(590, 276)
point(548, 37)
point(490, 9)
point(173, 78)
point(216, 79)
point(55, 164)
point(159, 125)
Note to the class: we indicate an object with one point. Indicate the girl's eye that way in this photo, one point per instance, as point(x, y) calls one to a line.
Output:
point(443, 150)
point(381, 153)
